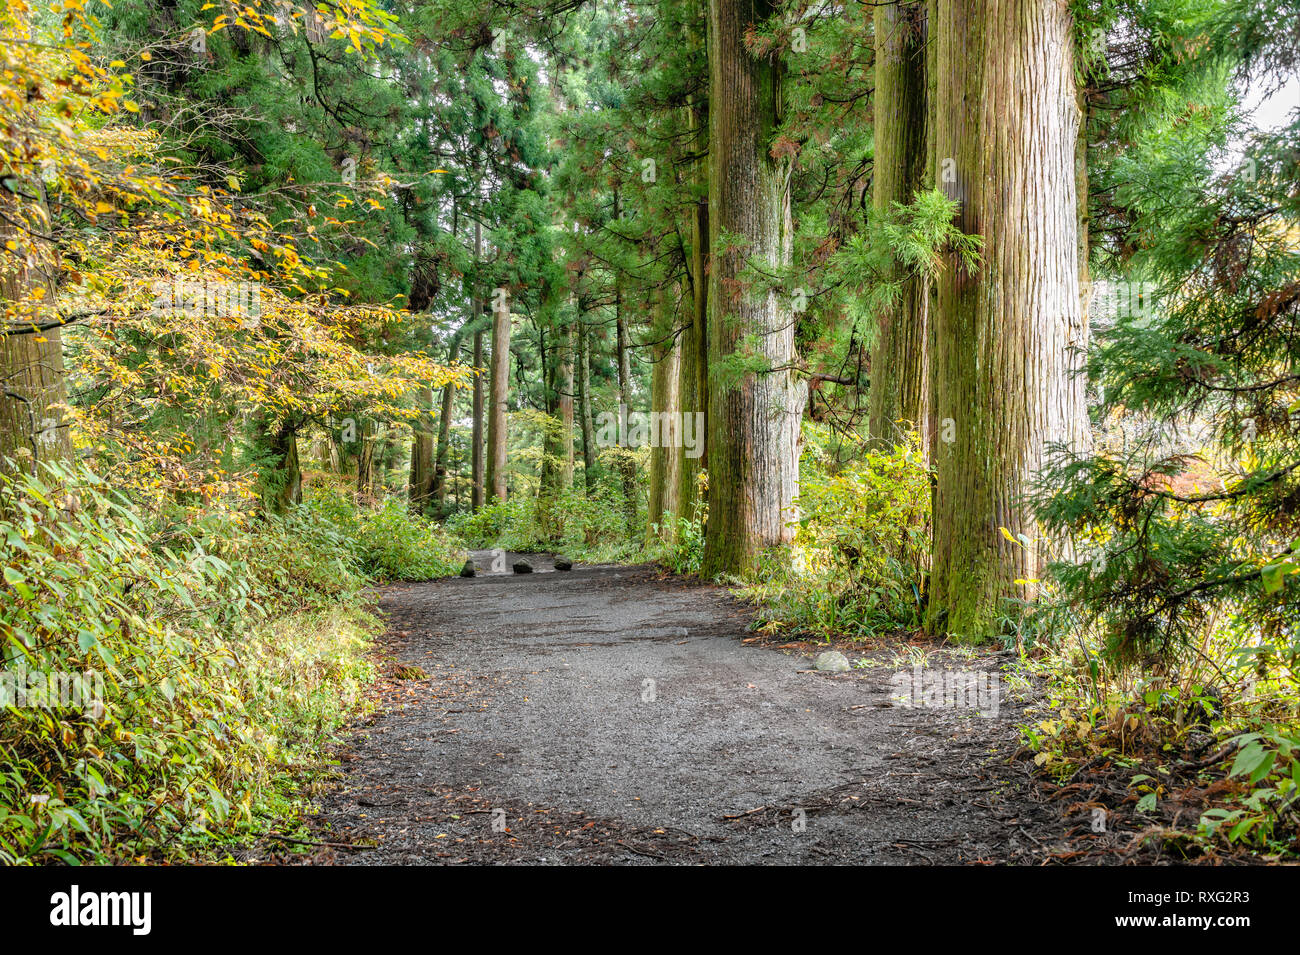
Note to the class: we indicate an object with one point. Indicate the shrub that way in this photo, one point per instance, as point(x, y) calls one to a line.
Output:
point(182, 705)
point(391, 544)
point(590, 527)
point(860, 556)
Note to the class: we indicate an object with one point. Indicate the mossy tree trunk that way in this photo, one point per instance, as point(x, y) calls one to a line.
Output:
point(693, 367)
point(1005, 128)
point(585, 410)
point(754, 416)
point(665, 429)
point(33, 386)
point(898, 398)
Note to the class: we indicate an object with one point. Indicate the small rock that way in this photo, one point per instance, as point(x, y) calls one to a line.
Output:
point(562, 564)
point(469, 570)
point(523, 567)
point(832, 661)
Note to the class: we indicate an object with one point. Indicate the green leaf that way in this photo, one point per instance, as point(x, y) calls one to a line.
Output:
point(1273, 576)
point(1247, 760)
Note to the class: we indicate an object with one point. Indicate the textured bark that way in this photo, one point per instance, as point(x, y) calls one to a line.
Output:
point(1008, 121)
point(565, 384)
point(665, 452)
point(32, 381)
point(286, 476)
point(585, 411)
point(366, 462)
point(420, 478)
point(754, 422)
point(439, 491)
point(476, 436)
point(898, 399)
point(623, 360)
point(498, 395)
point(557, 382)
point(693, 377)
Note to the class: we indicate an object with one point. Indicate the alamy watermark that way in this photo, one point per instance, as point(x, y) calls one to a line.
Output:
point(20, 687)
point(659, 429)
point(194, 299)
point(927, 688)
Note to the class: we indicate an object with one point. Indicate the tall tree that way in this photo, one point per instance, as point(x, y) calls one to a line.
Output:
point(499, 395)
point(898, 397)
point(476, 430)
point(756, 404)
point(693, 363)
point(585, 411)
point(665, 417)
point(1005, 127)
point(565, 387)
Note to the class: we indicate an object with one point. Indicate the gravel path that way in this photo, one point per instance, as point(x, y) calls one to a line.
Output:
point(612, 715)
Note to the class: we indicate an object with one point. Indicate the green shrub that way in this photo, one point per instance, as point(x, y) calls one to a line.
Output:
point(584, 527)
point(391, 544)
point(184, 704)
point(685, 555)
point(860, 555)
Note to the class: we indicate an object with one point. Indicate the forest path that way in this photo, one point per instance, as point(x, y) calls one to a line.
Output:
point(537, 716)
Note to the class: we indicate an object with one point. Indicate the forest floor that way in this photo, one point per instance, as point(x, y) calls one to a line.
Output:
point(530, 734)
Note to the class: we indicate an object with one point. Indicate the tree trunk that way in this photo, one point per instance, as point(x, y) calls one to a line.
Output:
point(623, 357)
point(499, 394)
point(286, 475)
point(367, 458)
point(421, 474)
point(665, 424)
point(1005, 128)
point(476, 438)
point(32, 381)
point(444, 433)
point(898, 398)
point(566, 408)
point(693, 389)
point(585, 412)
point(754, 421)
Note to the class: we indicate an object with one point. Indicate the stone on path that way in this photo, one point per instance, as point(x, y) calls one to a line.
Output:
point(523, 567)
point(832, 661)
point(562, 564)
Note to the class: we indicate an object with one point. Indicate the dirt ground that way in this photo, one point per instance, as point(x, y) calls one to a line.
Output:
point(618, 715)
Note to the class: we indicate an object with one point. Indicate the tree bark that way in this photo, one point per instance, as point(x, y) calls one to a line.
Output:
point(476, 437)
point(898, 398)
point(623, 359)
point(566, 407)
point(366, 462)
point(585, 412)
point(499, 394)
point(693, 389)
point(444, 432)
point(286, 473)
point(32, 381)
point(421, 473)
point(1005, 129)
point(665, 428)
point(753, 422)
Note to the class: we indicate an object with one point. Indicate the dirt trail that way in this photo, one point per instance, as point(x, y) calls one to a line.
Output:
point(611, 715)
